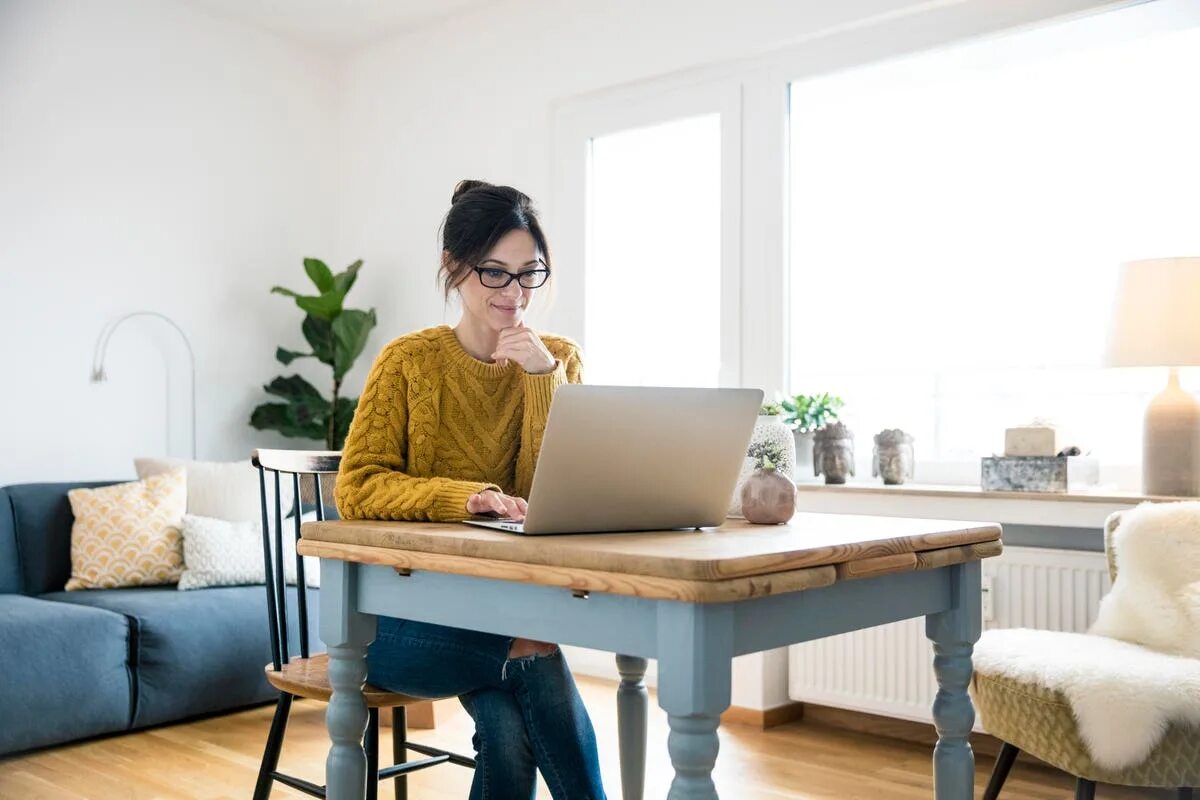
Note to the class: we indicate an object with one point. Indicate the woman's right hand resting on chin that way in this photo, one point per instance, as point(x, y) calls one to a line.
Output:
point(489, 501)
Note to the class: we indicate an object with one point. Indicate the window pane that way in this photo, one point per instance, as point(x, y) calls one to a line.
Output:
point(654, 255)
point(957, 218)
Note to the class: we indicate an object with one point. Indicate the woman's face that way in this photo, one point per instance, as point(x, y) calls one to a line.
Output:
point(516, 252)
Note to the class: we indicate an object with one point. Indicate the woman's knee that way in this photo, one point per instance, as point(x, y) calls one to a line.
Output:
point(523, 648)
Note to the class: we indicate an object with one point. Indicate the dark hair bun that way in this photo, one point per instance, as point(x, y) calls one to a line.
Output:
point(465, 186)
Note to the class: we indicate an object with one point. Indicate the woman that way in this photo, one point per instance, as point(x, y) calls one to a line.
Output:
point(448, 425)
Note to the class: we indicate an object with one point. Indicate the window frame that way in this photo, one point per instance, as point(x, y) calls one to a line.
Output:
point(579, 122)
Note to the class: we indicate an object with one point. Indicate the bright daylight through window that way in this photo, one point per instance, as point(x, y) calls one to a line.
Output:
point(957, 218)
point(654, 254)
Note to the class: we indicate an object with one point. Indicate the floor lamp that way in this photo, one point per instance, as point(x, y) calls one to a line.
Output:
point(1156, 323)
point(99, 375)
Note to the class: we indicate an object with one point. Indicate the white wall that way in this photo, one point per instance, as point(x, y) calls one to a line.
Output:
point(151, 157)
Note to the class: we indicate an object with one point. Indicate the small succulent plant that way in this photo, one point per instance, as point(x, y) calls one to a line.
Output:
point(766, 454)
point(772, 409)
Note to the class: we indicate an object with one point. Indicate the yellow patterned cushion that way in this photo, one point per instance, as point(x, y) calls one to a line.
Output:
point(128, 534)
point(1039, 722)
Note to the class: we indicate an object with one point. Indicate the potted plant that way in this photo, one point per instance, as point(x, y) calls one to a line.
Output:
point(768, 428)
point(806, 414)
point(771, 427)
point(337, 336)
point(768, 498)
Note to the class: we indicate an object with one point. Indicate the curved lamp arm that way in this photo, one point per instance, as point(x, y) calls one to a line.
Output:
point(99, 375)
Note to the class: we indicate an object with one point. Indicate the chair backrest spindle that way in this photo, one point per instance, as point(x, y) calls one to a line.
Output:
point(320, 504)
point(301, 594)
point(280, 577)
point(272, 611)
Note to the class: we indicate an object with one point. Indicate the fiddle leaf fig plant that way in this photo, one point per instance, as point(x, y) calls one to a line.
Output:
point(810, 412)
point(336, 337)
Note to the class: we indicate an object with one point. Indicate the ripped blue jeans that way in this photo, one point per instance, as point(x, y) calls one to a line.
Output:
point(528, 714)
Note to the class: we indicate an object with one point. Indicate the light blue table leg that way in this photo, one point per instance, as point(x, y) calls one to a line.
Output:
point(695, 655)
point(346, 633)
point(954, 634)
point(632, 707)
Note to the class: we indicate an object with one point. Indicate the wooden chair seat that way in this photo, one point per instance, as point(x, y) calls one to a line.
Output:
point(309, 678)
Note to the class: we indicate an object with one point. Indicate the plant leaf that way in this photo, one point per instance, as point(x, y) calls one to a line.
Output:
point(319, 334)
point(293, 387)
point(305, 412)
point(344, 280)
point(327, 306)
point(350, 331)
point(319, 274)
point(283, 291)
point(288, 356)
point(279, 417)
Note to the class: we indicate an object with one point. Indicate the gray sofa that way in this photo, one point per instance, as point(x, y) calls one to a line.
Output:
point(84, 663)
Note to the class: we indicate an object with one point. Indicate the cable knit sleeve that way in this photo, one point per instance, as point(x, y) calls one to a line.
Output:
point(539, 391)
point(372, 482)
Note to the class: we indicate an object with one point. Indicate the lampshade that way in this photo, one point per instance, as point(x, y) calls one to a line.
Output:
point(1156, 316)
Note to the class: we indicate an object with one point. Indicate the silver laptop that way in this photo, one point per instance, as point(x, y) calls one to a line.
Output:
point(618, 458)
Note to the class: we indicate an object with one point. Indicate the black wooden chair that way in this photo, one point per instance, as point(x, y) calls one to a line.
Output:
point(306, 675)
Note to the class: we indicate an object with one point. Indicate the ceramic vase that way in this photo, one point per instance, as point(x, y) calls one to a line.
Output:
point(768, 428)
point(768, 498)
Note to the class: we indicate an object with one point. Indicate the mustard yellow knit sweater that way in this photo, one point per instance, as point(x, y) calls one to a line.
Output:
point(434, 425)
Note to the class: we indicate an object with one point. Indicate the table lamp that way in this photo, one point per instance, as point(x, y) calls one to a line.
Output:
point(1156, 323)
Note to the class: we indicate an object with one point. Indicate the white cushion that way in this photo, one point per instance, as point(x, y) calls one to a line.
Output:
point(218, 552)
point(225, 490)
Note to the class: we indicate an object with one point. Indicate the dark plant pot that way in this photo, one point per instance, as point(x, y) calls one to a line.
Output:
point(768, 498)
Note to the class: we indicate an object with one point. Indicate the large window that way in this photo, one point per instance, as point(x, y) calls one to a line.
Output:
point(956, 220)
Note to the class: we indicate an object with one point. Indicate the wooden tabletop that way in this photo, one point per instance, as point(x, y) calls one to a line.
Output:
point(734, 561)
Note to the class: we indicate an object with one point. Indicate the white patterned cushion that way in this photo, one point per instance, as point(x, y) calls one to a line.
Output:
point(218, 552)
point(127, 534)
point(220, 489)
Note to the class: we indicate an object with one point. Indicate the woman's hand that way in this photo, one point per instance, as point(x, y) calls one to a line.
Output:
point(489, 501)
point(522, 345)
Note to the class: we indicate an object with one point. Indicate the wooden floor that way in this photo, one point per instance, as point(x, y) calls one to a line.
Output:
point(218, 758)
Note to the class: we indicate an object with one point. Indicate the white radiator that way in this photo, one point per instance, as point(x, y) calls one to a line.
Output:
point(888, 670)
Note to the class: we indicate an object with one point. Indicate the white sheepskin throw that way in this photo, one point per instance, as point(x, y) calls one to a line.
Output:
point(1123, 695)
point(1155, 600)
point(1138, 668)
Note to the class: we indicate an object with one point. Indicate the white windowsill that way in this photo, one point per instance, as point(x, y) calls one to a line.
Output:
point(1078, 509)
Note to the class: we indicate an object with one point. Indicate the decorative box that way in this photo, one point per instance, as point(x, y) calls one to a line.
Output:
point(1031, 440)
point(1038, 473)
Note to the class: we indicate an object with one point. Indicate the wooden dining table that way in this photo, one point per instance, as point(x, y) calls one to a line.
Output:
point(692, 599)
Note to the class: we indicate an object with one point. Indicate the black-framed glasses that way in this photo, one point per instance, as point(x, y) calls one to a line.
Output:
point(496, 278)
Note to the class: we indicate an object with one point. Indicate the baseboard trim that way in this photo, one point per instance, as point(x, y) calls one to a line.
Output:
point(922, 733)
point(762, 718)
